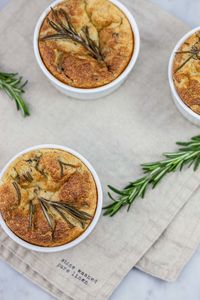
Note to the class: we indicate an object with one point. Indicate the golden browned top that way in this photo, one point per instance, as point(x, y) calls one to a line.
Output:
point(48, 197)
point(186, 72)
point(70, 62)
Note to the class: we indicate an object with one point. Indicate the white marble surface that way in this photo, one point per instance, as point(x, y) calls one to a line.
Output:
point(136, 285)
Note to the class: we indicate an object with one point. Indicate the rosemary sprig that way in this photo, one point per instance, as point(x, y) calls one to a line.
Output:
point(63, 165)
point(64, 29)
point(47, 214)
point(187, 154)
point(31, 213)
point(61, 208)
point(27, 176)
point(18, 192)
point(13, 86)
point(34, 162)
point(194, 53)
point(59, 211)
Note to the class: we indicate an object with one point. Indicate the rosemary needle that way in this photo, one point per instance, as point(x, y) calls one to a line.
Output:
point(193, 52)
point(187, 154)
point(61, 208)
point(13, 86)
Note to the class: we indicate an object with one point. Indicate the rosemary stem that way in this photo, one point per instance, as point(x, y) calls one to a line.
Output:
point(13, 87)
point(188, 154)
point(64, 30)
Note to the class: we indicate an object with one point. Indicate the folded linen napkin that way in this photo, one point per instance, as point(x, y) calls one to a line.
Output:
point(116, 133)
point(177, 244)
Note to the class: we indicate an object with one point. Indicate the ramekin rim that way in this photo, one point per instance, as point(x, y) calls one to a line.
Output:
point(170, 74)
point(92, 225)
point(96, 90)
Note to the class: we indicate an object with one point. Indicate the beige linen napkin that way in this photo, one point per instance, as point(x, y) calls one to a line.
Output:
point(116, 133)
point(171, 252)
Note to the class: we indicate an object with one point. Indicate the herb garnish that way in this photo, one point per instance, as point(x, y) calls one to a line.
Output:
point(63, 165)
point(35, 163)
point(47, 214)
point(194, 52)
point(17, 189)
point(63, 209)
point(188, 154)
point(61, 23)
point(63, 216)
point(13, 86)
point(31, 213)
point(27, 176)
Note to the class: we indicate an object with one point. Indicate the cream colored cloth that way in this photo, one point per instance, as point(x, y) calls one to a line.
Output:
point(171, 252)
point(133, 125)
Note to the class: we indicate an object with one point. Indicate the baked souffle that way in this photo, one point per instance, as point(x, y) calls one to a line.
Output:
point(48, 197)
point(86, 43)
point(186, 72)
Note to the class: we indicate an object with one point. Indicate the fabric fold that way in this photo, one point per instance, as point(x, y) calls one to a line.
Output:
point(168, 256)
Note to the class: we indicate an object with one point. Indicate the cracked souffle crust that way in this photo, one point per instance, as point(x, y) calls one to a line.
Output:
point(187, 77)
point(70, 62)
point(36, 181)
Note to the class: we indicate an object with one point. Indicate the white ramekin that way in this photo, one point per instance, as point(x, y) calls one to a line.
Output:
point(182, 107)
point(85, 233)
point(93, 93)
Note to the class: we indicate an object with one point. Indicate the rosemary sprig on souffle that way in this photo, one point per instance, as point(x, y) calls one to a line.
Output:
point(63, 209)
point(63, 165)
point(13, 86)
point(188, 154)
point(64, 29)
point(69, 213)
point(193, 52)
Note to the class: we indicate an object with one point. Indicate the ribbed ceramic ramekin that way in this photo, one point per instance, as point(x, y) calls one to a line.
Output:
point(182, 107)
point(90, 228)
point(93, 93)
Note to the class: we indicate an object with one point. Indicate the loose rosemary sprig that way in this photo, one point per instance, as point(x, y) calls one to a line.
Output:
point(61, 23)
point(194, 53)
point(187, 154)
point(13, 86)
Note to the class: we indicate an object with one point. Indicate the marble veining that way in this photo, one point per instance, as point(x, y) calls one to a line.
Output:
point(136, 285)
